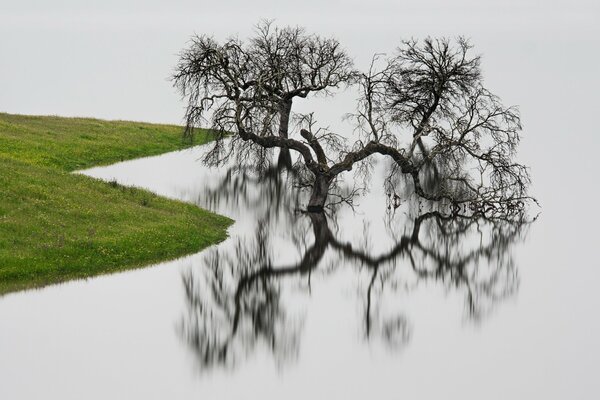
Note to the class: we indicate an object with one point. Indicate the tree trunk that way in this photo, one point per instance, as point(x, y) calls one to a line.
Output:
point(285, 159)
point(319, 193)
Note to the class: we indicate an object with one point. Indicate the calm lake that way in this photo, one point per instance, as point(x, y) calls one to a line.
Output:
point(365, 311)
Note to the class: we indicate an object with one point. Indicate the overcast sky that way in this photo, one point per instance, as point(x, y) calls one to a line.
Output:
point(112, 59)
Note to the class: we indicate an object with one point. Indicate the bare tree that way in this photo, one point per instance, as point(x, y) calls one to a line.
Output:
point(265, 74)
point(425, 108)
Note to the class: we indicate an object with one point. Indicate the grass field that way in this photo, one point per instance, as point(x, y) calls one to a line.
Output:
point(56, 226)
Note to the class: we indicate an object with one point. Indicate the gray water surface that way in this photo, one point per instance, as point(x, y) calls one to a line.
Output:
point(517, 320)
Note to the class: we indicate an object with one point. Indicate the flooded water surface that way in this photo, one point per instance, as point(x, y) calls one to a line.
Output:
point(363, 301)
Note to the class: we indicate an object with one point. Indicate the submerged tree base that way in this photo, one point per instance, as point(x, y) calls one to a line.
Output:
point(318, 197)
point(246, 308)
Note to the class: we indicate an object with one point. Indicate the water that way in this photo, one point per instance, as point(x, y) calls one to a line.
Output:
point(471, 316)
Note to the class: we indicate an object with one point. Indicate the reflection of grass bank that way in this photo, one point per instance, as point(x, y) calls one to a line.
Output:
point(56, 226)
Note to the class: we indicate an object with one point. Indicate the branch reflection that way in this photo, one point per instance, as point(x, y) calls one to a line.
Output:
point(236, 304)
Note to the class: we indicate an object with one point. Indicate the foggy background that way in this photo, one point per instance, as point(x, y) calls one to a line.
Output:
point(112, 59)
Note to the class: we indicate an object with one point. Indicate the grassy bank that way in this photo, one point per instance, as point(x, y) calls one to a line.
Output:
point(56, 226)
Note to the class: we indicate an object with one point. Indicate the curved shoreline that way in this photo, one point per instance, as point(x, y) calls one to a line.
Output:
point(57, 226)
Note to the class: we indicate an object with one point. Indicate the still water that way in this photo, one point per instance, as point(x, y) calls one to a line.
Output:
point(365, 302)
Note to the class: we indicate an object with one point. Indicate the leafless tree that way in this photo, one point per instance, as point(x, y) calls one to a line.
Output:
point(264, 74)
point(425, 108)
point(448, 140)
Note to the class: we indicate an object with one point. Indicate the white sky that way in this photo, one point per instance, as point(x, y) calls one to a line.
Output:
point(111, 59)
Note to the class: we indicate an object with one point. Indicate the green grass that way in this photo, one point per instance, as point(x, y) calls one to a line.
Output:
point(56, 226)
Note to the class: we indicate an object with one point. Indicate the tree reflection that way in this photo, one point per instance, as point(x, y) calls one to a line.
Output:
point(236, 304)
